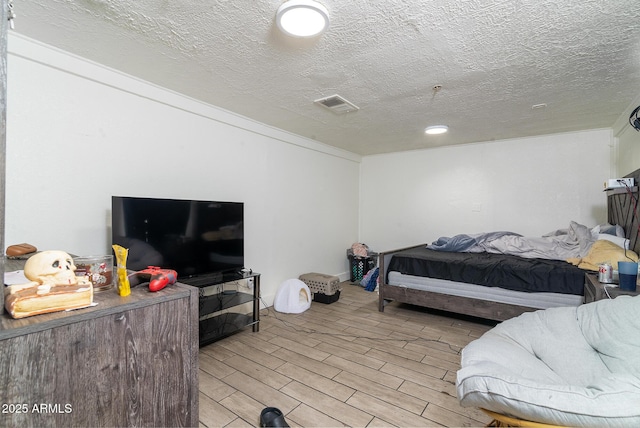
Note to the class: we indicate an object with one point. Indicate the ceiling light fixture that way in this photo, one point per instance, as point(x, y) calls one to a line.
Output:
point(302, 18)
point(436, 129)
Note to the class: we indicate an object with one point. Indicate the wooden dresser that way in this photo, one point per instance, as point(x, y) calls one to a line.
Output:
point(129, 361)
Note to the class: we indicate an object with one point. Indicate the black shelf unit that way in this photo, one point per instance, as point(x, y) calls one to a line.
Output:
point(220, 326)
point(217, 297)
point(221, 301)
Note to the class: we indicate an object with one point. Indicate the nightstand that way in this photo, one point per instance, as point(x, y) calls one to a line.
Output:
point(595, 290)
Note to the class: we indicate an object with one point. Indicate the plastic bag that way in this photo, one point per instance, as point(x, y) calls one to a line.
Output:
point(360, 250)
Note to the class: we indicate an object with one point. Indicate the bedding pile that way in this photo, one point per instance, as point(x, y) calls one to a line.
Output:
point(574, 245)
point(603, 251)
point(557, 245)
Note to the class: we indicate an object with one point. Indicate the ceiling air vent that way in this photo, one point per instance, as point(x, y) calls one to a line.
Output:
point(337, 104)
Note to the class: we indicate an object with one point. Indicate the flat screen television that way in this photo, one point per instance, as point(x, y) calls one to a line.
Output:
point(195, 238)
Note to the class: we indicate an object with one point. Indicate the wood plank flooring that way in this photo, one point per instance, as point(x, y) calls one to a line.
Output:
point(341, 364)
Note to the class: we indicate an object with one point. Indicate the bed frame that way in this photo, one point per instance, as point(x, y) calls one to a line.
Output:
point(444, 302)
point(621, 209)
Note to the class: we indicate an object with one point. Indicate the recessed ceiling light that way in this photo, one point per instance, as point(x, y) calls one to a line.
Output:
point(436, 129)
point(302, 18)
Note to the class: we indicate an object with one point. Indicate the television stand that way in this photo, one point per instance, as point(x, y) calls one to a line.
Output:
point(220, 306)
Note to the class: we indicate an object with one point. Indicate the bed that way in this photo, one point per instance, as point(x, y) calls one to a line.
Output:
point(501, 286)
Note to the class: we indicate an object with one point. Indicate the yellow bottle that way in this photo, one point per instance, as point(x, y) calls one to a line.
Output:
point(124, 288)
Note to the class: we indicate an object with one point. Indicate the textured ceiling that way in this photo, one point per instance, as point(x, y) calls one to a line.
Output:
point(494, 59)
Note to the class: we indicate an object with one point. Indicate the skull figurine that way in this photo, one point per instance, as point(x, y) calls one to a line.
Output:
point(51, 267)
point(53, 287)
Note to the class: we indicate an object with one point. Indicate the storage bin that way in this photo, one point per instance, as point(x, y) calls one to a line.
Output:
point(359, 266)
point(325, 288)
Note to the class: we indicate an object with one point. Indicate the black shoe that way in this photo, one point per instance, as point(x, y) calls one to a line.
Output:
point(272, 417)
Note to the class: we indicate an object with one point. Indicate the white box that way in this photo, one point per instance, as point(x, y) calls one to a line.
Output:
point(615, 183)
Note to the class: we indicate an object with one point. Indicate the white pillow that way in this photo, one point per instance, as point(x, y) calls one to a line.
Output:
point(609, 229)
point(620, 241)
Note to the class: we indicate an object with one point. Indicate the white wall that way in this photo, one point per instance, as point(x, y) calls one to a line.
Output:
point(627, 156)
point(530, 186)
point(78, 133)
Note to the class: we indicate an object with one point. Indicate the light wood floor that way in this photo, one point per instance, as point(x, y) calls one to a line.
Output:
point(341, 364)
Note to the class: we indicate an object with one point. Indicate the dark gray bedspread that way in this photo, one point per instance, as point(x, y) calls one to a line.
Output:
point(494, 270)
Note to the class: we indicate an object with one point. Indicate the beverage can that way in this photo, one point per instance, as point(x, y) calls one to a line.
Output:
point(605, 273)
